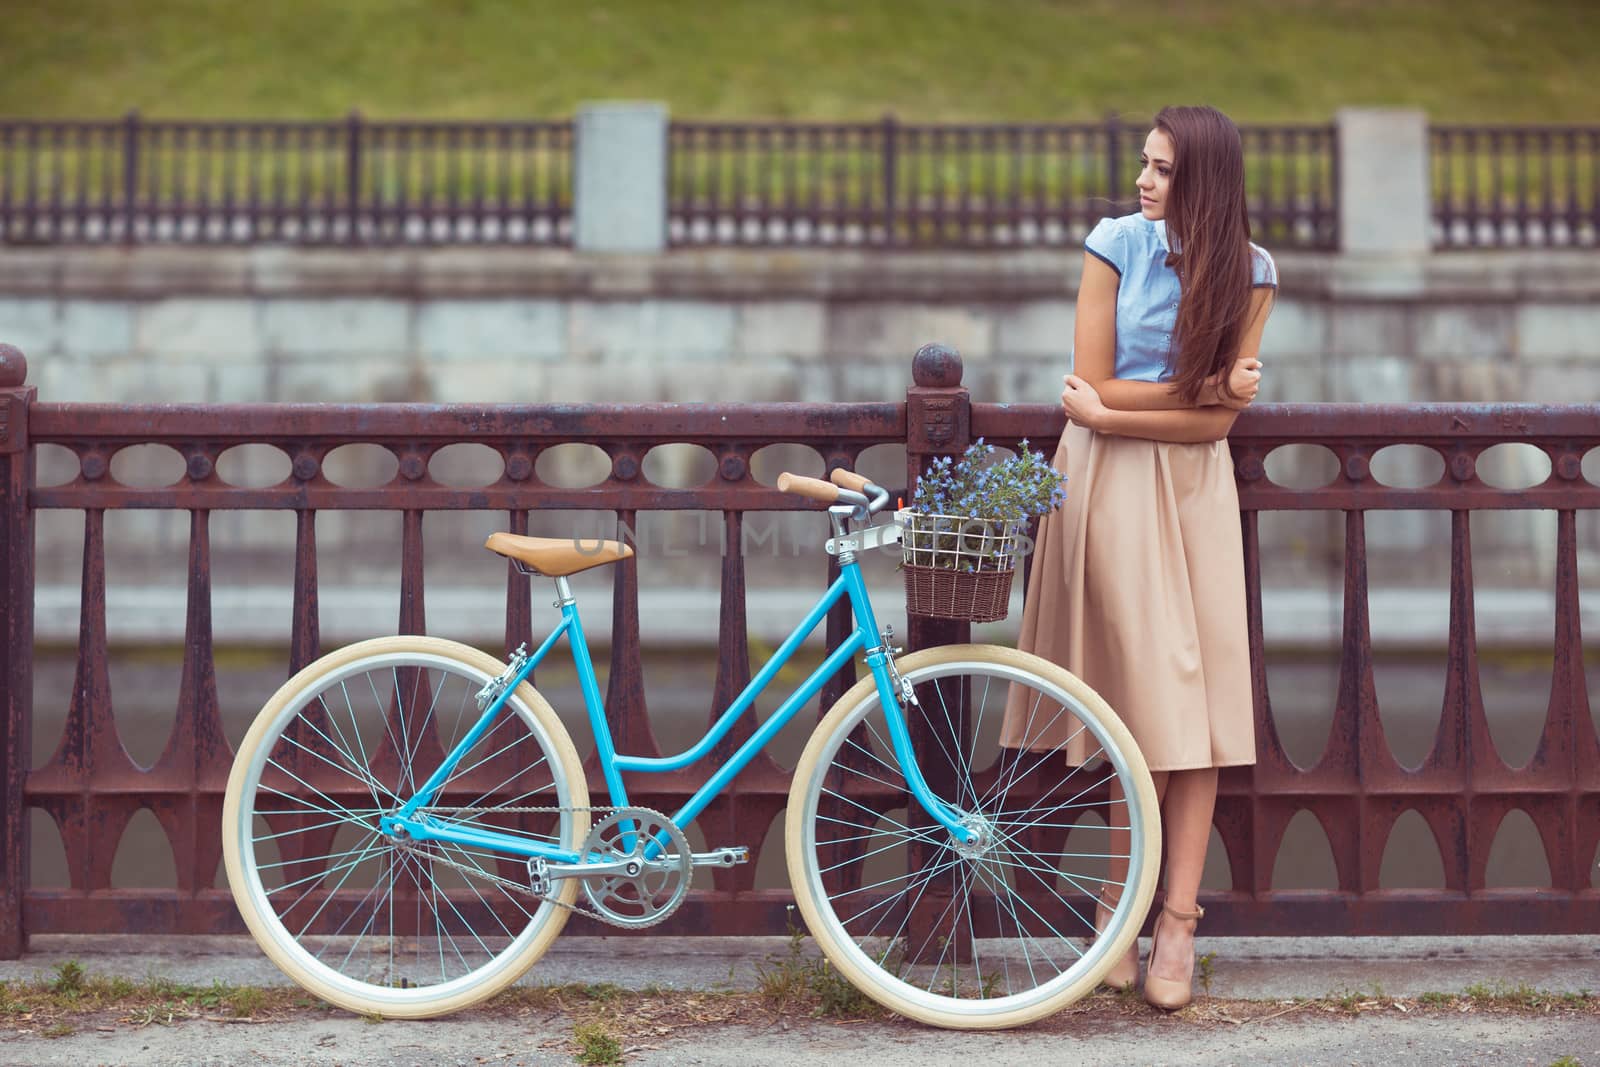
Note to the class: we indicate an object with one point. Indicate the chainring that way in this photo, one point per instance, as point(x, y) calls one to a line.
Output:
point(661, 867)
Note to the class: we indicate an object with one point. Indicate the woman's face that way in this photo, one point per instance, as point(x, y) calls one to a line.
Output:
point(1155, 175)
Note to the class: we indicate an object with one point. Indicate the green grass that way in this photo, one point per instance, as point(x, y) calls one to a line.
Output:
point(807, 983)
point(597, 1044)
point(1522, 996)
point(73, 991)
point(933, 60)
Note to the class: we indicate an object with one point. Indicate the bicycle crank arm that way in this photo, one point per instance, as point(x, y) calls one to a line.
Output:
point(632, 867)
point(721, 857)
point(546, 871)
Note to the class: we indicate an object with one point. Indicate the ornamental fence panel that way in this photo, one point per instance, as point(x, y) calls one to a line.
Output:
point(90, 788)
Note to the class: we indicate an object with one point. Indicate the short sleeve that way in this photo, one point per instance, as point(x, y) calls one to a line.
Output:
point(1108, 243)
point(1263, 271)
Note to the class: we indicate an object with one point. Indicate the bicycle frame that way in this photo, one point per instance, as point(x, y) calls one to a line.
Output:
point(864, 637)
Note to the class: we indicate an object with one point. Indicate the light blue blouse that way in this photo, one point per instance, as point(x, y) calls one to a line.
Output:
point(1147, 295)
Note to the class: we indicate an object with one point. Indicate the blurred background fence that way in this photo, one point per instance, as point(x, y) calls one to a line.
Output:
point(885, 184)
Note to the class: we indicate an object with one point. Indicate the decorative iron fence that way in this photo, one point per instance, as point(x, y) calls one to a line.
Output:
point(1357, 790)
point(355, 181)
point(1516, 186)
point(897, 185)
point(347, 182)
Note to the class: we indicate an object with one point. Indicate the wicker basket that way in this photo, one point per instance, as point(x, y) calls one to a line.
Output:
point(958, 566)
point(942, 594)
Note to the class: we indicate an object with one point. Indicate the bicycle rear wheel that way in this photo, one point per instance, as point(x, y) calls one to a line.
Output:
point(983, 935)
point(375, 925)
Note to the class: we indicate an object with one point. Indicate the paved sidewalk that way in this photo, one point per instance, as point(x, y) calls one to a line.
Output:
point(1262, 969)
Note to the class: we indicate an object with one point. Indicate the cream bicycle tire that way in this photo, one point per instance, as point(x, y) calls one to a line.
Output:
point(461, 667)
point(872, 971)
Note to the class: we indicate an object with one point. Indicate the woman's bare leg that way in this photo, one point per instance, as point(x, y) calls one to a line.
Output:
point(1121, 840)
point(1191, 797)
point(1117, 867)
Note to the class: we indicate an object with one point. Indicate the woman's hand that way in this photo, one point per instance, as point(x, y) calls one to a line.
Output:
point(1245, 381)
point(1082, 403)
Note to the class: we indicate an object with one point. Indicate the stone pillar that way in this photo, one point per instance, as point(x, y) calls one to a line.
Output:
point(1385, 203)
point(620, 178)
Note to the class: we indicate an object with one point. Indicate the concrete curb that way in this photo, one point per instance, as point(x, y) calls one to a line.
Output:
point(1253, 968)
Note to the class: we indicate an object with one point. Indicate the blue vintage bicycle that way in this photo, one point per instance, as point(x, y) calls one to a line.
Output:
point(407, 825)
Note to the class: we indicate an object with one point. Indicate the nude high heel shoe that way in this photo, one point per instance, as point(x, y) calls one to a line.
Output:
point(1166, 992)
point(1125, 972)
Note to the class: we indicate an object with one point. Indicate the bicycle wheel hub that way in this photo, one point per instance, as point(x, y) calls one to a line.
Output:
point(981, 837)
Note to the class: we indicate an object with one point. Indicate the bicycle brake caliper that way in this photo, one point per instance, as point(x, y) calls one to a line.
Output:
point(498, 683)
point(908, 695)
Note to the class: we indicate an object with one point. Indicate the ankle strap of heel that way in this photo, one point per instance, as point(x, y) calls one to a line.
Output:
point(1197, 914)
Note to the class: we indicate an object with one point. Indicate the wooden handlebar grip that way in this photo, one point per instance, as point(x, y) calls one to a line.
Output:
point(849, 480)
point(815, 488)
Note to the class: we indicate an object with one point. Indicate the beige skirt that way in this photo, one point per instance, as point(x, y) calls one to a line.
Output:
point(1137, 587)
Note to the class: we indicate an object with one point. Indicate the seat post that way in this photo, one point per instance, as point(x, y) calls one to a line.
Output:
point(564, 592)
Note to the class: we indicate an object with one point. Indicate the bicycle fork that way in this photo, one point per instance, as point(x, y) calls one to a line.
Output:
point(898, 697)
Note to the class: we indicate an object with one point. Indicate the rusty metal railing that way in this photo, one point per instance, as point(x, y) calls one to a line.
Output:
point(90, 788)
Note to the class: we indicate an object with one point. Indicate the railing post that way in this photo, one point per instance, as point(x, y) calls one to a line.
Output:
point(16, 643)
point(1113, 157)
point(889, 178)
point(130, 174)
point(352, 176)
point(938, 423)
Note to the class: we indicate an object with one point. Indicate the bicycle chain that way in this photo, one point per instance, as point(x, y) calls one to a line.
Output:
point(516, 887)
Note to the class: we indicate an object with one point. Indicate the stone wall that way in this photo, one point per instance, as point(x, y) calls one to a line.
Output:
point(272, 324)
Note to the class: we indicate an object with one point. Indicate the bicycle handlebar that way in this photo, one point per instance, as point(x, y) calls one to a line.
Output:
point(815, 488)
point(847, 487)
point(849, 480)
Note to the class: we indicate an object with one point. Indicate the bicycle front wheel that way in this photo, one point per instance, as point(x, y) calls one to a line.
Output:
point(373, 924)
point(999, 931)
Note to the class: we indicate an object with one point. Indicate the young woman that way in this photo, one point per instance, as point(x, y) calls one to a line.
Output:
point(1137, 583)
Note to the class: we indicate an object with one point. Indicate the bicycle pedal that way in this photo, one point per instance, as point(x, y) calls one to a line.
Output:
point(539, 881)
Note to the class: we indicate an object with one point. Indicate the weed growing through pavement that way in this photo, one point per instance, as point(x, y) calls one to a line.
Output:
point(1208, 970)
point(73, 991)
point(798, 980)
point(69, 979)
point(1523, 996)
point(604, 992)
point(597, 1045)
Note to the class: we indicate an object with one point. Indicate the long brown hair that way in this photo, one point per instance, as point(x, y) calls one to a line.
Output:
point(1208, 230)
